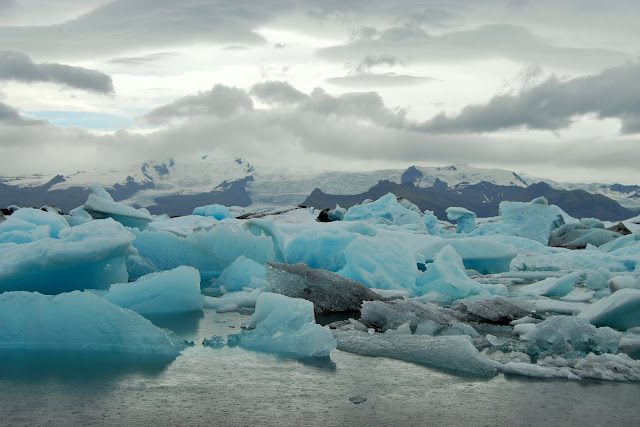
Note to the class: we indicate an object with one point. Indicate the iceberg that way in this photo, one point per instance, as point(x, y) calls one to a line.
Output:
point(15, 230)
point(454, 353)
point(621, 310)
point(482, 255)
point(621, 282)
point(172, 291)
point(218, 212)
point(37, 217)
point(329, 292)
point(534, 220)
point(554, 286)
point(210, 249)
point(497, 310)
point(464, 217)
point(569, 335)
point(607, 367)
point(100, 205)
point(90, 255)
point(445, 280)
point(78, 322)
point(386, 210)
point(381, 264)
point(579, 235)
point(233, 301)
point(239, 273)
point(319, 248)
point(384, 315)
point(286, 326)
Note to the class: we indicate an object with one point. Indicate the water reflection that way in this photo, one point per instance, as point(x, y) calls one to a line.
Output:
point(181, 323)
point(89, 367)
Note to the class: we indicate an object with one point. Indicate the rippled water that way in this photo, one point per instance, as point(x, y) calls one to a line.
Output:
point(232, 386)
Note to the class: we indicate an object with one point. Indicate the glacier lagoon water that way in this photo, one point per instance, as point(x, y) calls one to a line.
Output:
point(233, 386)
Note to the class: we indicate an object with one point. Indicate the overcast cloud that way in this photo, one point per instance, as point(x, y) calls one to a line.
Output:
point(18, 66)
point(505, 83)
point(552, 105)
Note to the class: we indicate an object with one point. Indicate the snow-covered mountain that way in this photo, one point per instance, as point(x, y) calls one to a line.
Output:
point(177, 186)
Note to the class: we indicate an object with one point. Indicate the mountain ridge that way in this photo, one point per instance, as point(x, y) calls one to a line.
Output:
point(177, 187)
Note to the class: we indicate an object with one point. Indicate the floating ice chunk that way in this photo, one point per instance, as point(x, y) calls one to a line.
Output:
point(447, 281)
point(15, 230)
point(138, 266)
point(172, 291)
point(523, 328)
point(534, 220)
point(210, 250)
point(553, 286)
point(546, 305)
point(329, 292)
point(597, 279)
point(630, 344)
point(233, 301)
point(214, 342)
point(79, 212)
point(385, 315)
point(484, 256)
point(99, 191)
point(464, 217)
point(455, 353)
point(578, 295)
point(385, 210)
point(239, 273)
point(560, 335)
point(498, 310)
point(621, 310)
point(428, 327)
point(579, 235)
point(287, 326)
point(380, 264)
point(91, 255)
point(100, 208)
point(459, 328)
point(621, 243)
point(216, 211)
point(78, 321)
point(608, 367)
point(184, 225)
point(434, 226)
point(357, 399)
point(621, 282)
point(320, 248)
point(56, 222)
point(404, 329)
point(537, 371)
point(526, 319)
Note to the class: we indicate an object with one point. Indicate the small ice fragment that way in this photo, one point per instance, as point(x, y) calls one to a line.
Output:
point(358, 399)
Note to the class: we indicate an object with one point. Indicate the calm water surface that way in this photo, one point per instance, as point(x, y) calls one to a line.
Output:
point(231, 386)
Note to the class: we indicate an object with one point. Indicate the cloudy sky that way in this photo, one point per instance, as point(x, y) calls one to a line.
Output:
point(550, 88)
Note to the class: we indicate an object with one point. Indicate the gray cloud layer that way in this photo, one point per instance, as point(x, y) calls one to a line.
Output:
point(18, 66)
point(124, 25)
point(368, 80)
point(413, 44)
point(11, 116)
point(221, 101)
point(614, 93)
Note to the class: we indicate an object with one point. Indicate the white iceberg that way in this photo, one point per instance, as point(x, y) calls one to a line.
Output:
point(78, 322)
point(286, 326)
point(172, 291)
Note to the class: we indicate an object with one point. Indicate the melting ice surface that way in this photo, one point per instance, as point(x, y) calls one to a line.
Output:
point(485, 297)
